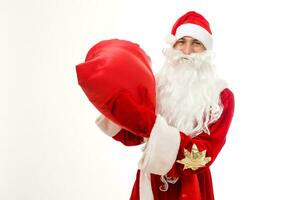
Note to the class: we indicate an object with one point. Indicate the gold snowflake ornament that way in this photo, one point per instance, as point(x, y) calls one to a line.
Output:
point(194, 159)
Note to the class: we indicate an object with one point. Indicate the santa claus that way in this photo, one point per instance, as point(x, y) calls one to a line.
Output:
point(193, 114)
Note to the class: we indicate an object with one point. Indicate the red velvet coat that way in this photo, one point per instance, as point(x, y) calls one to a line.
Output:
point(191, 185)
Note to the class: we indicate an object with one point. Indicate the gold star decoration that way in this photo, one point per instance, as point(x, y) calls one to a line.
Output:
point(194, 159)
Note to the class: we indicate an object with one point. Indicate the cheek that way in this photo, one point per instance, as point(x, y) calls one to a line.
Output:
point(198, 49)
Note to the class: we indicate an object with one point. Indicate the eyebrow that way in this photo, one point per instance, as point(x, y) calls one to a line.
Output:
point(194, 40)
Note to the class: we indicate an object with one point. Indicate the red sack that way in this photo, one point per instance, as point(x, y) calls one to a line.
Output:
point(117, 79)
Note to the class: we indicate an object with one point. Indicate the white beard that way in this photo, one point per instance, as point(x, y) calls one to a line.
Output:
point(188, 91)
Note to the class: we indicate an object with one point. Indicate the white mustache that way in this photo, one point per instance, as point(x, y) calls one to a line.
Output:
point(178, 57)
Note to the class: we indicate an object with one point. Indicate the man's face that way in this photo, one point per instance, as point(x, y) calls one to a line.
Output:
point(189, 45)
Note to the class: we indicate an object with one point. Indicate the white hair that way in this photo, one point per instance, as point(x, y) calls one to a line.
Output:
point(188, 91)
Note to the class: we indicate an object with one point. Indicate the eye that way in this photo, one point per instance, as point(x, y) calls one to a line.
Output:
point(180, 42)
point(197, 43)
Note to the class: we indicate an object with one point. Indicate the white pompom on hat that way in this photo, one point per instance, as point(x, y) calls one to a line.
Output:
point(194, 25)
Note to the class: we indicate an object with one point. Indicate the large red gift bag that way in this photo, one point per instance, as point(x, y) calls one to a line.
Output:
point(117, 79)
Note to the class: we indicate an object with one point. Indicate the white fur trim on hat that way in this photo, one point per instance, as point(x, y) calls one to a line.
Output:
point(108, 127)
point(196, 32)
point(161, 149)
point(170, 39)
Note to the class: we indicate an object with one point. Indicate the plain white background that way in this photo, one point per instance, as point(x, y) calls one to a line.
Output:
point(50, 147)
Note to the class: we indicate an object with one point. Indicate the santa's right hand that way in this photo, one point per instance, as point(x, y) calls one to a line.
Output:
point(135, 116)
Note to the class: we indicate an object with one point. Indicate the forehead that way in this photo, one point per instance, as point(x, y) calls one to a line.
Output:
point(188, 38)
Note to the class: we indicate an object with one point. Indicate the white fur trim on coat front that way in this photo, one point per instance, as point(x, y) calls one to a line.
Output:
point(145, 188)
point(107, 126)
point(161, 149)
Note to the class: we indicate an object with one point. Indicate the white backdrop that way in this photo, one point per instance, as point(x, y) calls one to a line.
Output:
point(50, 147)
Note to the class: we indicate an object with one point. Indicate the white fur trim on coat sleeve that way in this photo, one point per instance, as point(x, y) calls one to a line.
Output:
point(107, 126)
point(161, 149)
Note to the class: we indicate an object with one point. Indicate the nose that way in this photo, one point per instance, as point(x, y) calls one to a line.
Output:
point(187, 48)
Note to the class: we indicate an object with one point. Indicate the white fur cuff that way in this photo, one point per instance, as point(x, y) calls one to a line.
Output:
point(161, 149)
point(107, 126)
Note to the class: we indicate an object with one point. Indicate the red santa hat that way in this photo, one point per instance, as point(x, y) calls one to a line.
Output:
point(194, 25)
